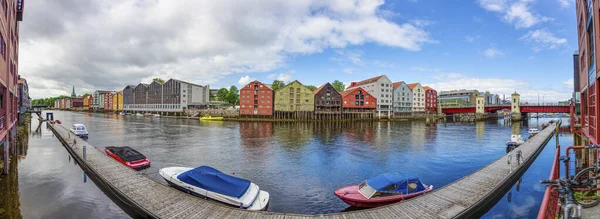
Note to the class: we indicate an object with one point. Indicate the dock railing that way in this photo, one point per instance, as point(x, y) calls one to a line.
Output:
point(549, 208)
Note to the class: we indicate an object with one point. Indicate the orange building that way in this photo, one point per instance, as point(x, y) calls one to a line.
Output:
point(358, 100)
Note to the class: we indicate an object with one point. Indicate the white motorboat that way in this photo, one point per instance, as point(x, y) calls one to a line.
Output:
point(211, 183)
point(79, 130)
point(515, 140)
point(534, 131)
point(137, 114)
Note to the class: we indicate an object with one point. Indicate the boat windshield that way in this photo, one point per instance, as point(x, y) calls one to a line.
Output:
point(80, 128)
point(366, 190)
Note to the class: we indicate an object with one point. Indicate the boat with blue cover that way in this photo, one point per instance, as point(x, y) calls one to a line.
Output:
point(205, 181)
point(382, 190)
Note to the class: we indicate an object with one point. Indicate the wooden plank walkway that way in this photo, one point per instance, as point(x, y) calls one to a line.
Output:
point(591, 213)
point(468, 197)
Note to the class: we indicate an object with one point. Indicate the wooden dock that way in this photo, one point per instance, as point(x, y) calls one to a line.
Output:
point(142, 197)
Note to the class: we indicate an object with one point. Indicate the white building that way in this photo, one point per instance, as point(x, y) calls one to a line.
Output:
point(380, 87)
point(171, 96)
point(418, 97)
point(402, 98)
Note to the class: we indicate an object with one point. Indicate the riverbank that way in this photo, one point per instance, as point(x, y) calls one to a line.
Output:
point(229, 115)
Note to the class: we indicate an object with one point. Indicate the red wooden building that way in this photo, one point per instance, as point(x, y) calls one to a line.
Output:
point(256, 99)
point(431, 100)
point(108, 103)
point(76, 103)
point(358, 100)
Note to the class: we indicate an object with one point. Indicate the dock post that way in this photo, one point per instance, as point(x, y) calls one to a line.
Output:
point(84, 152)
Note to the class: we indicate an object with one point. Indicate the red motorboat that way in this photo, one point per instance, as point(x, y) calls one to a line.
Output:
point(382, 190)
point(128, 156)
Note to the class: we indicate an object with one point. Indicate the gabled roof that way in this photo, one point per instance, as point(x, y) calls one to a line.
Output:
point(102, 91)
point(397, 84)
point(349, 91)
point(291, 84)
point(412, 86)
point(368, 81)
point(428, 88)
point(256, 81)
point(320, 88)
point(22, 80)
point(185, 82)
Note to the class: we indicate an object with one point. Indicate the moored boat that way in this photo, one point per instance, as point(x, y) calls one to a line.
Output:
point(128, 156)
point(515, 140)
point(382, 190)
point(138, 114)
point(122, 113)
point(79, 130)
point(534, 131)
point(211, 118)
point(205, 181)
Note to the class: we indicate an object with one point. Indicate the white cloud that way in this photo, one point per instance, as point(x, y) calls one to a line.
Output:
point(493, 5)
point(470, 39)
point(285, 76)
point(492, 52)
point(346, 56)
point(543, 39)
point(349, 70)
point(564, 3)
point(570, 83)
point(517, 12)
point(245, 80)
point(501, 86)
point(422, 22)
point(190, 40)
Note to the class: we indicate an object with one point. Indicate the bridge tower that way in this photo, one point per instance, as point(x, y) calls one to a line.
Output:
point(515, 107)
point(480, 104)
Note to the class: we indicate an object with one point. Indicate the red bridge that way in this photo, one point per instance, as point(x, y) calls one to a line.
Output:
point(524, 109)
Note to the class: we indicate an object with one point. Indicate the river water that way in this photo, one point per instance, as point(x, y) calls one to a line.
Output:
point(299, 164)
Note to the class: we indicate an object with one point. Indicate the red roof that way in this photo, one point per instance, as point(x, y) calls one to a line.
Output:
point(320, 88)
point(397, 84)
point(22, 80)
point(428, 88)
point(350, 90)
point(412, 86)
point(256, 81)
point(368, 81)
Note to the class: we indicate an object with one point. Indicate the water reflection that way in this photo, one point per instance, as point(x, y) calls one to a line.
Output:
point(300, 164)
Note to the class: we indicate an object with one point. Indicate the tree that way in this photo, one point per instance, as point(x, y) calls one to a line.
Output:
point(86, 95)
point(233, 95)
point(277, 84)
point(311, 87)
point(159, 80)
point(222, 94)
point(338, 85)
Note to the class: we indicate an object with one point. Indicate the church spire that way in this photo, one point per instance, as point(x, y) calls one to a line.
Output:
point(73, 93)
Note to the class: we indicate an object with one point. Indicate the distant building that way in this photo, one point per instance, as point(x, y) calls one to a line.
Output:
point(418, 104)
point(327, 99)
point(99, 99)
point(24, 101)
point(86, 103)
point(402, 98)
point(294, 97)
point(457, 98)
point(358, 99)
point(117, 101)
point(108, 101)
point(171, 96)
point(256, 99)
point(381, 87)
point(431, 100)
point(76, 103)
point(67, 103)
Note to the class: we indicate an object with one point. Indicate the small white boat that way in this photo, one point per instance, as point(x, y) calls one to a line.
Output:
point(515, 140)
point(534, 131)
point(211, 183)
point(79, 130)
point(137, 114)
point(156, 115)
point(122, 113)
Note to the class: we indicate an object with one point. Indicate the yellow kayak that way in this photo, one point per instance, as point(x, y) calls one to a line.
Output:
point(210, 118)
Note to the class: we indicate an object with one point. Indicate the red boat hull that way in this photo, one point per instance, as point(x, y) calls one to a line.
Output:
point(351, 196)
point(136, 165)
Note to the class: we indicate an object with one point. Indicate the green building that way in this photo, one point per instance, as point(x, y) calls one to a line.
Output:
point(294, 97)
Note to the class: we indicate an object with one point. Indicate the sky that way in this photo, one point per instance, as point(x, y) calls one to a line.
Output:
point(501, 46)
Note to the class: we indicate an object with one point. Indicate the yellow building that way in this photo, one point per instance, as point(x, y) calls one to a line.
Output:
point(294, 97)
point(86, 103)
point(118, 101)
